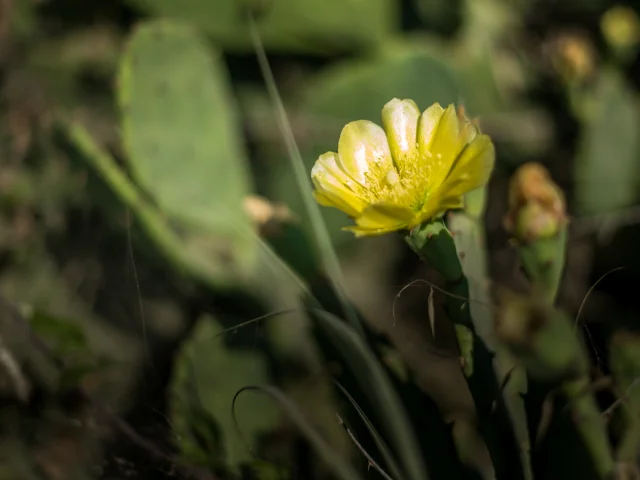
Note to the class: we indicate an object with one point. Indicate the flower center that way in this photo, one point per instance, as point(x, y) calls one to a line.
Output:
point(404, 187)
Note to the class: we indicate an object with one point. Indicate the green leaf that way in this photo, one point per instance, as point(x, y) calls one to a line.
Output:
point(207, 376)
point(608, 167)
point(292, 25)
point(182, 138)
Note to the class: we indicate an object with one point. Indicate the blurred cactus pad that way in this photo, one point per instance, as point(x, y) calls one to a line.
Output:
point(178, 300)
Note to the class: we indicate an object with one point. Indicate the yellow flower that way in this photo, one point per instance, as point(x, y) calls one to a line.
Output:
point(410, 170)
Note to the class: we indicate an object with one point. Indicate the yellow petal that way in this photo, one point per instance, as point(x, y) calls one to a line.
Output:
point(381, 218)
point(471, 170)
point(400, 122)
point(445, 138)
point(370, 232)
point(335, 187)
point(384, 216)
point(468, 132)
point(436, 208)
point(427, 125)
point(327, 174)
point(328, 199)
point(440, 144)
point(468, 129)
point(364, 152)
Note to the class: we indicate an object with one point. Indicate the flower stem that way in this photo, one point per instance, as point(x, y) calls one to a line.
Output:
point(435, 245)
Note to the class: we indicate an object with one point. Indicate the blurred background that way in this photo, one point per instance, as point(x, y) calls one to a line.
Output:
point(128, 301)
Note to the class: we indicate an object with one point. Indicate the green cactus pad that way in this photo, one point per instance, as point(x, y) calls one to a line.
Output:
point(606, 170)
point(469, 237)
point(291, 25)
point(182, 138)
point(358, 89)
point(207, 376)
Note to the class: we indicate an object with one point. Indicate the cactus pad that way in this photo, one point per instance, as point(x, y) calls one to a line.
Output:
point(181, 135)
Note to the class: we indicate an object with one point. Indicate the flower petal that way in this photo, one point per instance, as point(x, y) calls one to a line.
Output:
point(400, 122)
point(445, 139)
point(440, 142)
point(427, 125)
point(468, 129)
point(471, 170)
point(328, 199)
point(364, 152)
point(370, 232)
point(437, 208)
point(381, 218)
point(327, 174)
point(468, 132)
point(335, 187)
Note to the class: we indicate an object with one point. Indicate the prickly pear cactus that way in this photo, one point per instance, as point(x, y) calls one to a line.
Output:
point(611, 124)
point(537, 221)
point(208, 373)
point(469, 234)
point(182, 139)
point(542, 338)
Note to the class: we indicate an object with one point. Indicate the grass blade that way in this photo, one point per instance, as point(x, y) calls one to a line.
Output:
point(325, 451)
point(374, 382)
point(379, 441)
point(328, 254)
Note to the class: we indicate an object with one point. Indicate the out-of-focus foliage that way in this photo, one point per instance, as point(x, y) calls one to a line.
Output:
point(184, 110)
point(315, 26)
point(166, 308)
point(610, 148)
point(204, 416)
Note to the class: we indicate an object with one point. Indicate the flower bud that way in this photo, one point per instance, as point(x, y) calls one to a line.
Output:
point(573, 56)
point(536, 205)
point(620, 27)
point(534, 222)
point(267, 216)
